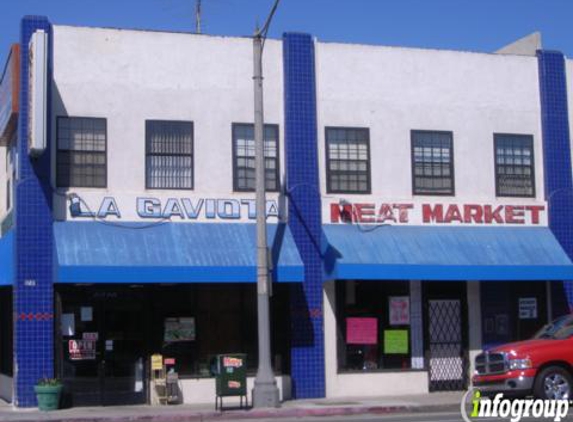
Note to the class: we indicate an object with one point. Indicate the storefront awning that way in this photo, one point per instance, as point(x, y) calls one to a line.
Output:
point(95, 252)
point(444, 253)
point(7, 259)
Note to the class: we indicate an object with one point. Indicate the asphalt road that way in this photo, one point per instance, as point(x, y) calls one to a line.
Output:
point(411, 417)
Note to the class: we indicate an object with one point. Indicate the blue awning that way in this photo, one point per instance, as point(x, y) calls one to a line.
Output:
point(7, 259)
point(444, 253)
point(94, 252)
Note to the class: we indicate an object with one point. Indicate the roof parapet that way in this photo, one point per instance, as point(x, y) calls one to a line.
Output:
point(526, 46)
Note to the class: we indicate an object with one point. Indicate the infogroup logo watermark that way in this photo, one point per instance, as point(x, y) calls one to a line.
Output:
point(514, 410)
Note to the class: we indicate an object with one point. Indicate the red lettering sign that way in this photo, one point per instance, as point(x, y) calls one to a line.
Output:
point(433, 215)
point(370, 213)
point(473, 214)
point(535, 210)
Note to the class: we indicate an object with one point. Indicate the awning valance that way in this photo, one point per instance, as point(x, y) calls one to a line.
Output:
point(444, 253)
point(95, 252)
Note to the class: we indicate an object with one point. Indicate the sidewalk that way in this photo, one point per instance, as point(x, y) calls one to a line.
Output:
point(435, 402)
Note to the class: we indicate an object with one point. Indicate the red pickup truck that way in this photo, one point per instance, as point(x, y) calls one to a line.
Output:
point(542, 366)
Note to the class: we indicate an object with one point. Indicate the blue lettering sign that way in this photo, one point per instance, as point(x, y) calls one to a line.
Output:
point(228, 208)
point(251, 206)
point(148, 208)
point(108, 207)
point(191, 210)
point(172, 208)
point(210, 208)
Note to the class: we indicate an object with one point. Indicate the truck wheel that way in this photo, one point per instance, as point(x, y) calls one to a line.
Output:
point(553, 382)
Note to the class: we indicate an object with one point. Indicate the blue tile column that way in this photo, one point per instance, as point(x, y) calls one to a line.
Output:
point(34, 275)
point(303, 190)
point(557, 152)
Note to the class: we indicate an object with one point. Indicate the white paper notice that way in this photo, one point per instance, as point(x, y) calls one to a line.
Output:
point(87, 313)
point(68, 325)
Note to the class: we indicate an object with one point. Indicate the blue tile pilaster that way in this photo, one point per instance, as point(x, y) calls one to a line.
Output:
point(557, 151)
point(34, 276)
point(307, 344)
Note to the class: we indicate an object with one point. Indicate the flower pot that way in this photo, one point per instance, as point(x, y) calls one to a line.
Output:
point(48, 396)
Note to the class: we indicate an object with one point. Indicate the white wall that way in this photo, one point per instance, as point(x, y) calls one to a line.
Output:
point(202, 390)
point(130, 76)
point(6, 388)
point(6, 172)
point(392, 91)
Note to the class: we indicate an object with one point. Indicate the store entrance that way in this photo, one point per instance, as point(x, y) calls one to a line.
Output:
point(102, 345)
point(446, 335)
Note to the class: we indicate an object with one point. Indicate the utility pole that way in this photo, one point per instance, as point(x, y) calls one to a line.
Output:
point(265, 391)
point(197, 16)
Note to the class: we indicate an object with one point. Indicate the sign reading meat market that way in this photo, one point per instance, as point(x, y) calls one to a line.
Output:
point(437, 213)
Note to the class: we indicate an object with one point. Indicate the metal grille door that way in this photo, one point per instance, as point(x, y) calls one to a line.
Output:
point(447, 362)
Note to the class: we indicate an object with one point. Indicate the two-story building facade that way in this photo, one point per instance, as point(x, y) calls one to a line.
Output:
point(418, 210)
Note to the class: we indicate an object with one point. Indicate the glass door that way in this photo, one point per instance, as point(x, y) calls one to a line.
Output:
point(102, 345)
point(123, 363)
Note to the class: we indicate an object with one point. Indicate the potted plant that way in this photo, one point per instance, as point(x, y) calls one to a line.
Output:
point(48, 392)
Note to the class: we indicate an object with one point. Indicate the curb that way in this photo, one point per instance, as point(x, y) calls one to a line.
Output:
point(243, 415)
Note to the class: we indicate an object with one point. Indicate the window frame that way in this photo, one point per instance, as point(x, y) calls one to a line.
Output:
point(329, 189)
point(531, 139)
point(192, 155)
point(58, 120)
point(415, 132)
point(234, 157)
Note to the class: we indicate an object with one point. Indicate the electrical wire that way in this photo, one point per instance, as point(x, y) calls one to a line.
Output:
point(262, 33)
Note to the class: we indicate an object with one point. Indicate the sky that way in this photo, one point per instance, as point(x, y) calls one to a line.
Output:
point(475, 25)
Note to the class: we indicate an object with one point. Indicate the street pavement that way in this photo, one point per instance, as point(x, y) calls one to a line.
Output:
point(351, 407)
point(435, 407)
point(408, 417)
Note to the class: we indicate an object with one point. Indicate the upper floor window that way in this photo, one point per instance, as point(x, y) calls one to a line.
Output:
point(432, 163)
point(244, 157)
point(514, 167)
point(81, 155)
point(347, 160)
point(169, 154)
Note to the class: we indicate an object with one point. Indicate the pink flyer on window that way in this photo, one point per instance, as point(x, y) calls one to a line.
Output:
point(362, 330)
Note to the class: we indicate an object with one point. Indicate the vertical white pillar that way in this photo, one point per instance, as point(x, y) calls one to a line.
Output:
point(330, 340)
point(416, 324)
point(474, 322)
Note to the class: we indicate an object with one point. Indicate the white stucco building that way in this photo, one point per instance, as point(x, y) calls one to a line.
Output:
point(416, 207)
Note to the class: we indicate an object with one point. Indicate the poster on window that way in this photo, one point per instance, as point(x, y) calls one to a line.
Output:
point(82, 349)
point(527, 308)
point(362, 330)
point(179, 329)
point(399, 307)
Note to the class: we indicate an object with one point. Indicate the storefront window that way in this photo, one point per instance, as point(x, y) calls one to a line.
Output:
point(116, 329)
point(373, 324)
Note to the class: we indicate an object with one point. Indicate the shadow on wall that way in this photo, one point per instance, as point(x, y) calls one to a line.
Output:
point(561, 305)
point(59, 110)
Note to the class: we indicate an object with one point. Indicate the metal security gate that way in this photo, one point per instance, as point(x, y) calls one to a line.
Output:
point(447, 361)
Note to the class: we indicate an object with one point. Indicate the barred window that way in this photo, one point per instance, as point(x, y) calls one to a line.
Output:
point(244, 157)
point(169, 155)
point(348, 160)
point(432, 163)
point(81, 155)
point(514, 167)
